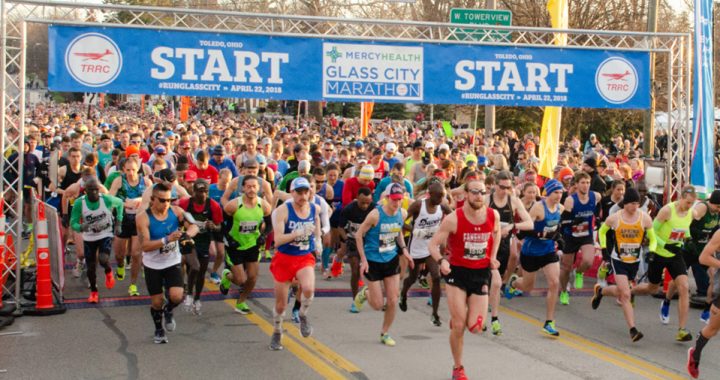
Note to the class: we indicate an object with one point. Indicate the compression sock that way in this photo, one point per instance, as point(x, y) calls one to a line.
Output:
point(277, 320)
point(296, 306)
point(305, 304)
point(157, 316)
point(493, 319)
point(326, 257)
point(699, 345)
point(169, 306)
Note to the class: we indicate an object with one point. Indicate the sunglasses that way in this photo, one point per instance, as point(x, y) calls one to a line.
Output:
point(503, 187)
point(164, 200)
point(476, 191)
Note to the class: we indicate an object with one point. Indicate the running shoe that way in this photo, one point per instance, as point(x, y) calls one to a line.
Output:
point(353, 309)
point(327, 275)
point(636, 335)
point(120, 273)
point(602, 275)
point(169, 321)
point(496, 327)
point(692, 365)
point(197, 307)
point(549, 329)
point(77, 269)
point(579, 280)
point(424, 282)
point(403, 304)
point(275, 341)
point(705, 316)
point(597, 296)
point(160, 336)
point(215, 278)
point(665, 312)
point(360, 298)
point(509, 289)
point(459, 373)
point(187, 303)
point(109, 280)
point(224, 282)
point(296, 316)
point(429, 301)
point(305, 328)
point(133, 290)
point(93, 297)
point(683, 335)
point(242, 308)
point(268, 255)
point(564, 298)
point(387, 340)
point(435, 319)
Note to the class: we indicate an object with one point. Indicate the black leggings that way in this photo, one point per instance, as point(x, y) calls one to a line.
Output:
point(196, 268)
point(93, 250)
point(432, 267)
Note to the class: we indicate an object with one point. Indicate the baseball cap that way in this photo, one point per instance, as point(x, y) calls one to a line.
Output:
point(361, 159)
point(470, 157)
point(160, 149)
point(131, 149)
point(167, 175)
point(396, 192)
point(367, 172)
point(250, 163)
point(261, 160)
point(218, 150)
point(265, 141)
point(429, 145)
point(565, 173)
point(299, 183)
point(201, 184)
point(417, 144)
point(444, 146)
point(190, 176)
point(359, 144)
point(482, 160)
point(715, 197)
point(390, 147)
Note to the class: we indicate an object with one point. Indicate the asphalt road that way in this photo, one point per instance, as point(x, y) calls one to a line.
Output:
point(114, 341)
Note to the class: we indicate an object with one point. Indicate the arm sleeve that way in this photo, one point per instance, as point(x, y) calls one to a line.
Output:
point(652, 239)
point(409, 188)
point(566, 219)
point(656, 226)
point(324, 216)
point(76, 215)
point(601, 235)
point(117, 204)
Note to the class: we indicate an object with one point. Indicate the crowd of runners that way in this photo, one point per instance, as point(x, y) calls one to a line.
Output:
point(221, 192)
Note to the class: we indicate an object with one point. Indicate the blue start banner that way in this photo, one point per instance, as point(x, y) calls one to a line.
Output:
point(145, 61)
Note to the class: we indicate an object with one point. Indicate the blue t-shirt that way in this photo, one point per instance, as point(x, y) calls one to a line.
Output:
point(225, 164)
point(215, 193)
point(385, 182)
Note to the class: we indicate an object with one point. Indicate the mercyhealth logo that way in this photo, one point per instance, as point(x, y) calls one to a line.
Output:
point(616, 80)
point(93, 59)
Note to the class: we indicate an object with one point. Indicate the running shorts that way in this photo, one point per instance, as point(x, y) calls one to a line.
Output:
point(675, 265)
point(573, 245)
point(284, 267)
point(535, 263)
point(378, 271)
point(128, 228)
point(102, 246)
point(170, 277)
point(620, 268)
point(234, 256)
point(472, 281)
point(503, 254)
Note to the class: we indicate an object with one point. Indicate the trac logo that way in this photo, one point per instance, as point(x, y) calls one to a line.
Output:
point(616, 80)
point(93, 59)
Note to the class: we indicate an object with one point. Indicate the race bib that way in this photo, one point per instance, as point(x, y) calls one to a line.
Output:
point(581, 230)
point(629, 252)
point(388, 242)
point(168, 248)
point(549, 231)
point(248, 227)
point(677, 235)
point(475, 250)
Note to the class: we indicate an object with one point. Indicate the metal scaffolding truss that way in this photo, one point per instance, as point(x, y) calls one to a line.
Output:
point(17, 13)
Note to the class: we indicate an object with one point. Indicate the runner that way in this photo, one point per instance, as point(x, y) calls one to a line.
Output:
point(158, 231)
point(129, 187)
point(539, 252)
point(672, 228)
point(426, 216)
point(379, 259)
point(93, 217)
point(353, 215)
point(294, 259)
point(510, 209)
point(245, 240)
point(711, 258)
point(631, 226)
point(578, 222)
point(206, 214)
point(473, 234)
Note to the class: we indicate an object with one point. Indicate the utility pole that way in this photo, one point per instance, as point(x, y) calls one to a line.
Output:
point(489, 110)
point(649, 125)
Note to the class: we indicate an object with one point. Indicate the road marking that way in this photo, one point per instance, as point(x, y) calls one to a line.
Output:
point(314, 354)
point(621, 359)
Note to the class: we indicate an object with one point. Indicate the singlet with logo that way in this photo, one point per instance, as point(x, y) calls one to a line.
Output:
point(628, 240)
point(305, 244)
point(381, 239)
point(424, 228)
point(542, 241)
point(674, 231)
point(701, 230)
point(246, 224)
point(471, 244)
point(169, 254)
point(583, 215)
point(100, 220)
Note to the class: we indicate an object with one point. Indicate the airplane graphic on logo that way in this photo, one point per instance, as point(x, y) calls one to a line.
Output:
point(617, 76)
point(94, 56)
